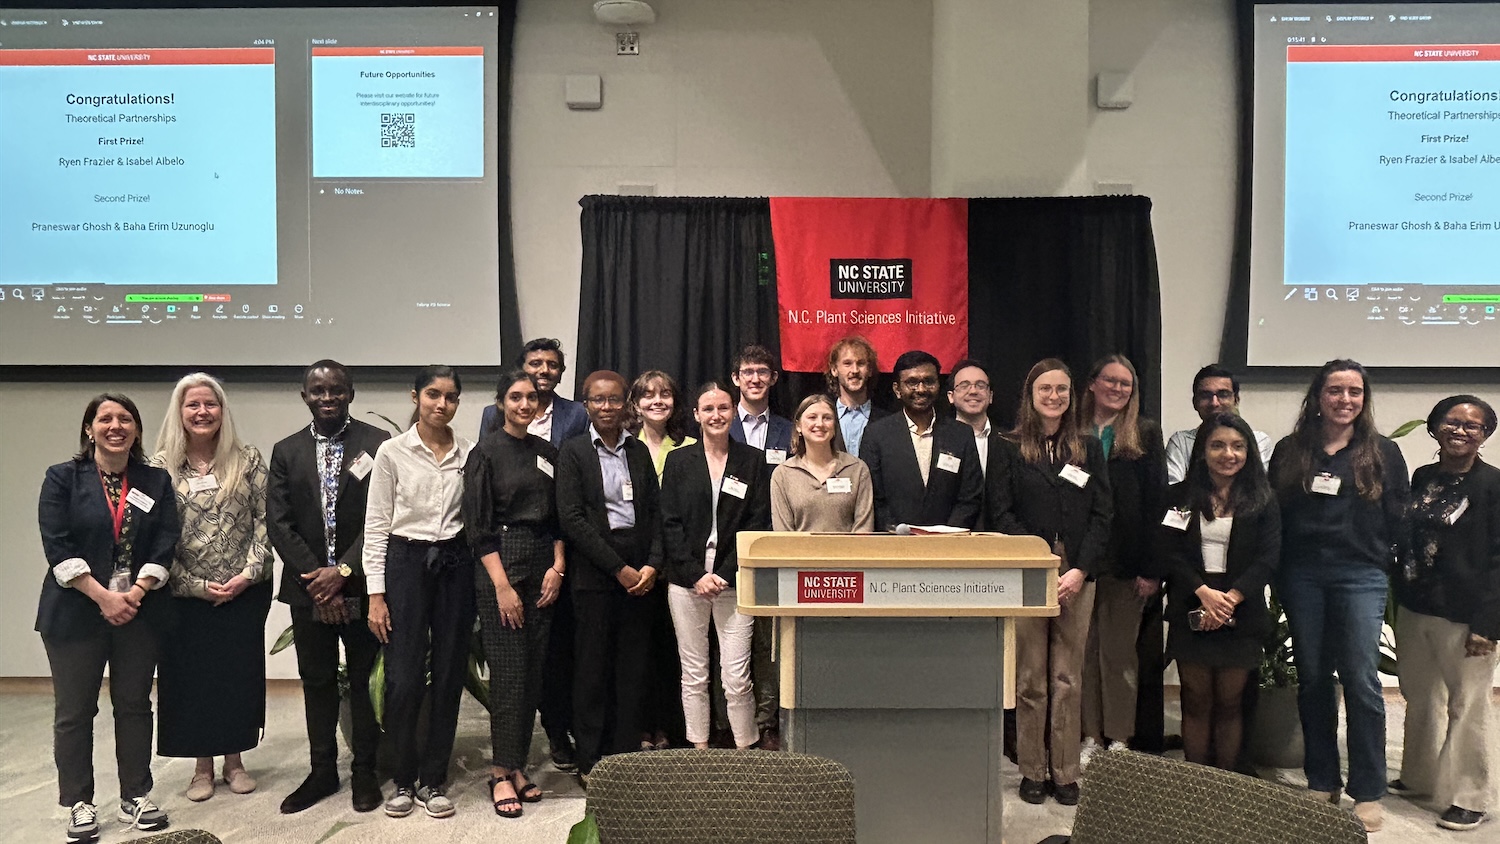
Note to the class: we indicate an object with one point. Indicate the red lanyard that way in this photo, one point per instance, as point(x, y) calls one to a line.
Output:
point(116, 511)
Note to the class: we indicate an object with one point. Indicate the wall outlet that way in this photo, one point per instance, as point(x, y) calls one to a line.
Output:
point(627, 43)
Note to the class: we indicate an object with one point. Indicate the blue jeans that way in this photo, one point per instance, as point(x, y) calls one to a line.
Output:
point(1335, 613)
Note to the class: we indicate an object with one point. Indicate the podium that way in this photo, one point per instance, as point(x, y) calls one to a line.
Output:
point(892, 658)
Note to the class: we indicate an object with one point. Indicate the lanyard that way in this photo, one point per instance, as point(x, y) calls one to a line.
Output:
point(116, 511)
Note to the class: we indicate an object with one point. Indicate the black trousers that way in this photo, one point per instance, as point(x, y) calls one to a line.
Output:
point(664, 673)
point(131, 652)
point(430, 593)
point(557, 672)
point(612, 653)
point(317, 646)
point(515, 656)
point(1151, 654)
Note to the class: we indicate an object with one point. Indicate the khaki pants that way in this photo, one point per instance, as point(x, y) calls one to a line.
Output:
point(1049, 667)
point(1110, 678)
point(1440, 685)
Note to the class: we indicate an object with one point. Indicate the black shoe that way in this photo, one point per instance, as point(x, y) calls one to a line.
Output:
point(1396, 786)
point(562, 755)
point(770, 739)
point(1033, 791)
point(367, 794)
point(319, 784)
point(1460, 819)
point(1066, 794)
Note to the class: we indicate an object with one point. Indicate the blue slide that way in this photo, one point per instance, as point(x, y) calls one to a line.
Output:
point(1392, 172)
point(398, 113)
point(139, 174)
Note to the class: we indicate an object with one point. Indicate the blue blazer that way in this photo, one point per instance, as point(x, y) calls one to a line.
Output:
point(76, 523)
point(778, 431)
point(568, 419)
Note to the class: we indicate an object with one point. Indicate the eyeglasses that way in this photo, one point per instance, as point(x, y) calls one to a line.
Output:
point(1470, 428)
point(1049, 389)
point(1117, 383)
point(1210, 395)
point(755, 372)
point(606, 401)
point(966, 386)
point(915, 383)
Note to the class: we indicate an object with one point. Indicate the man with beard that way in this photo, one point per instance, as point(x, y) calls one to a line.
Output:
point(852, 370)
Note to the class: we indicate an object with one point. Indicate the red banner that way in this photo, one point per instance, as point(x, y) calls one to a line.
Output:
point(894, 270)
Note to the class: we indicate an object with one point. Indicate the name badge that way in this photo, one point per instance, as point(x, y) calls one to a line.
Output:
point(1326, 484)
point(1075, 476)
point(947, 462)
point(775, 456)
point(1177, 519)
point(141, 500)
point(840, 486)
point(1462, 507)
point(361, 466)
point(627, 489)
point(734, 486)
point(546, 466)
point(203, 483)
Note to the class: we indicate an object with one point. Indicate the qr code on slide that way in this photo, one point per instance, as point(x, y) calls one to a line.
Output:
point(398, 130)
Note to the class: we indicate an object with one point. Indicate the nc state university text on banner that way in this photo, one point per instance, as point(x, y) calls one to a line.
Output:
point(894, 270)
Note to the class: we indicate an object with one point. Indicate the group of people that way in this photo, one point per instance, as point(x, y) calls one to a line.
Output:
point(594, 542)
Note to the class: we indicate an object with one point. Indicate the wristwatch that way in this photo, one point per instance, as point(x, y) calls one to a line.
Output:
point(345, 570)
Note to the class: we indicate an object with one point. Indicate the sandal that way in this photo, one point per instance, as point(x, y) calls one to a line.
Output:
point(501, 805)
point(530, 792)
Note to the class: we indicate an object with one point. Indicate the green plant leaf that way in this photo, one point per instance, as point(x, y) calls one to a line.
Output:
point(377, 687)
point(1408, 427)
point(1387, 665)
point(585, 831)
point(283, 641)
point(475, 682)
point(394, 427)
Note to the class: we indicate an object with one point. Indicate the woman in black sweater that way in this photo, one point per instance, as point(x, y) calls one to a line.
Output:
point(1220, 541)
point(1448, 616)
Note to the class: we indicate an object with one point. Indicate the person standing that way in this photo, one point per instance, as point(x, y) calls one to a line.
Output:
point(1215, 390)
point(1448, 617)
point(1343, 491)
point(711, 490)
point(822, 488)
point(853, 368)
point(608, 507)
point(1049, 479)
point(510, 516)
point(420, 575)
point(315, 515)
point(211, 686)
point(109, 532)
point(1129, 578)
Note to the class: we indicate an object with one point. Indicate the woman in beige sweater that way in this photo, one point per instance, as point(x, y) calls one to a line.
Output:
point(821, 487)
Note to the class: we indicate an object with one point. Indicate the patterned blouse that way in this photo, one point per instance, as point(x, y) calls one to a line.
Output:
point(221, 539)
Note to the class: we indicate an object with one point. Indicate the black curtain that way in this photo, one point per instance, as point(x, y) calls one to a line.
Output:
point(680, 284)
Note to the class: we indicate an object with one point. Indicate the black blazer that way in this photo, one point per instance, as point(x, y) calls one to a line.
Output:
point(569, 419)
point(76, 523)
point(1138, 486)
point(687, 510)
point(778, 432)
point(294, 510)
point(1025, 498)
point(1253, 555)
point(593, 561)
point(1463, 584)
point(949, 498)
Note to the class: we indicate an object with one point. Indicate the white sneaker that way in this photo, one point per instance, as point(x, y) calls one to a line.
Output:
point(1090, 747)
point(1118, 745)
point(142, 814)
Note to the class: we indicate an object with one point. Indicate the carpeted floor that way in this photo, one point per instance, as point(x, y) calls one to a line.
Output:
point(28, 789)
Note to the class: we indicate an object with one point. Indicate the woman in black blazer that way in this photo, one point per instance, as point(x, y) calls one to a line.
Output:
point(1048, 479)
point(109, 526)
point(711, 490)
point(1220, 541)
point(607, 505)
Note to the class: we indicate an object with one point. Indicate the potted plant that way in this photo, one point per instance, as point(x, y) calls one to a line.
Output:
point(1276, 732)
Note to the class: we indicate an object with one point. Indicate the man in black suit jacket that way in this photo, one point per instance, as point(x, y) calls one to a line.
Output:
point(557, 418)
point(608, 506)
point(326, 590)
point(754, 375)
point(949, 489)
point(852, 370)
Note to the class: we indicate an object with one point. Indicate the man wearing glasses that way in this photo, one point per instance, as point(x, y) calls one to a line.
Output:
point(924, 466)
point(969, 393)
point(1215, 390)
point(754, 375)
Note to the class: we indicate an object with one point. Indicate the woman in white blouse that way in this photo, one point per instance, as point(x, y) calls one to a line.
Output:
point(421, 579)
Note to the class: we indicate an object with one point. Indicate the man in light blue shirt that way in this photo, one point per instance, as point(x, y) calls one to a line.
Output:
point(852, 368)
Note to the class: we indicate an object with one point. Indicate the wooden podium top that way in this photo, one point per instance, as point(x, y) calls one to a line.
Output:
point(969, 574)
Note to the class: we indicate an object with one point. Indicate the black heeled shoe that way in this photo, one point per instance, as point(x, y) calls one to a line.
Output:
point(501, 805)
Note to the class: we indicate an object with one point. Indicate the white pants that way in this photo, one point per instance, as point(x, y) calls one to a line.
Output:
point(1442, 684)
point(690, 614)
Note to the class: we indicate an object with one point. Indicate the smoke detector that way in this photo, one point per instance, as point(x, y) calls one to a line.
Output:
point(624, 12)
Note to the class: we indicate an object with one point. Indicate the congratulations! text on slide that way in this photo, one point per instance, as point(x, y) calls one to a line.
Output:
point(398, 112)
point(141, 167)
point(1392, 164)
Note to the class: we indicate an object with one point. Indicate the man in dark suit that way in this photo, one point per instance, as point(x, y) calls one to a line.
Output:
point(924, 466)
point(754, 374)
point(315, 513)
point(852, 370)
point(608, 506)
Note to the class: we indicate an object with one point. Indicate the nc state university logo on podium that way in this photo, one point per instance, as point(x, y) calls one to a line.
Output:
point(830, 587)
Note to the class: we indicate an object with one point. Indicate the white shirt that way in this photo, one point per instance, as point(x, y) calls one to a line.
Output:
point(1180, 450)
point(1215, 543)
point(922, 444)
point(981, 443)
point(412, 495)
point(756, 427)
point(541, 424)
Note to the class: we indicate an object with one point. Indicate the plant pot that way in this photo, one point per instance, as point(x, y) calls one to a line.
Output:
point(1276, 731)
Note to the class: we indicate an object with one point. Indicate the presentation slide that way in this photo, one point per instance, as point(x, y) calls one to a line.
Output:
point(1376, 184)
point(250, 186)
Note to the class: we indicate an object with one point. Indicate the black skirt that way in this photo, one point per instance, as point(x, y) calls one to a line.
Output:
point(211, 684)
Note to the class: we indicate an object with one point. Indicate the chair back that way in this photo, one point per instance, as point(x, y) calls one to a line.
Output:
point(692, 796)
point(180, 836)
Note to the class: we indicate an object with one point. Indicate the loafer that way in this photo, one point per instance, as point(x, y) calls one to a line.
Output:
point(367, 796)
point(240, 781)
point(1460, 818)
point(1033, 791)
point(562, 756)
point(317, 786)
point(1067, 794)
point(200, 788)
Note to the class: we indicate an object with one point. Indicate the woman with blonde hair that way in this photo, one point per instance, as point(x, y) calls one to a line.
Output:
point(212, 681)
point(822, 487)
